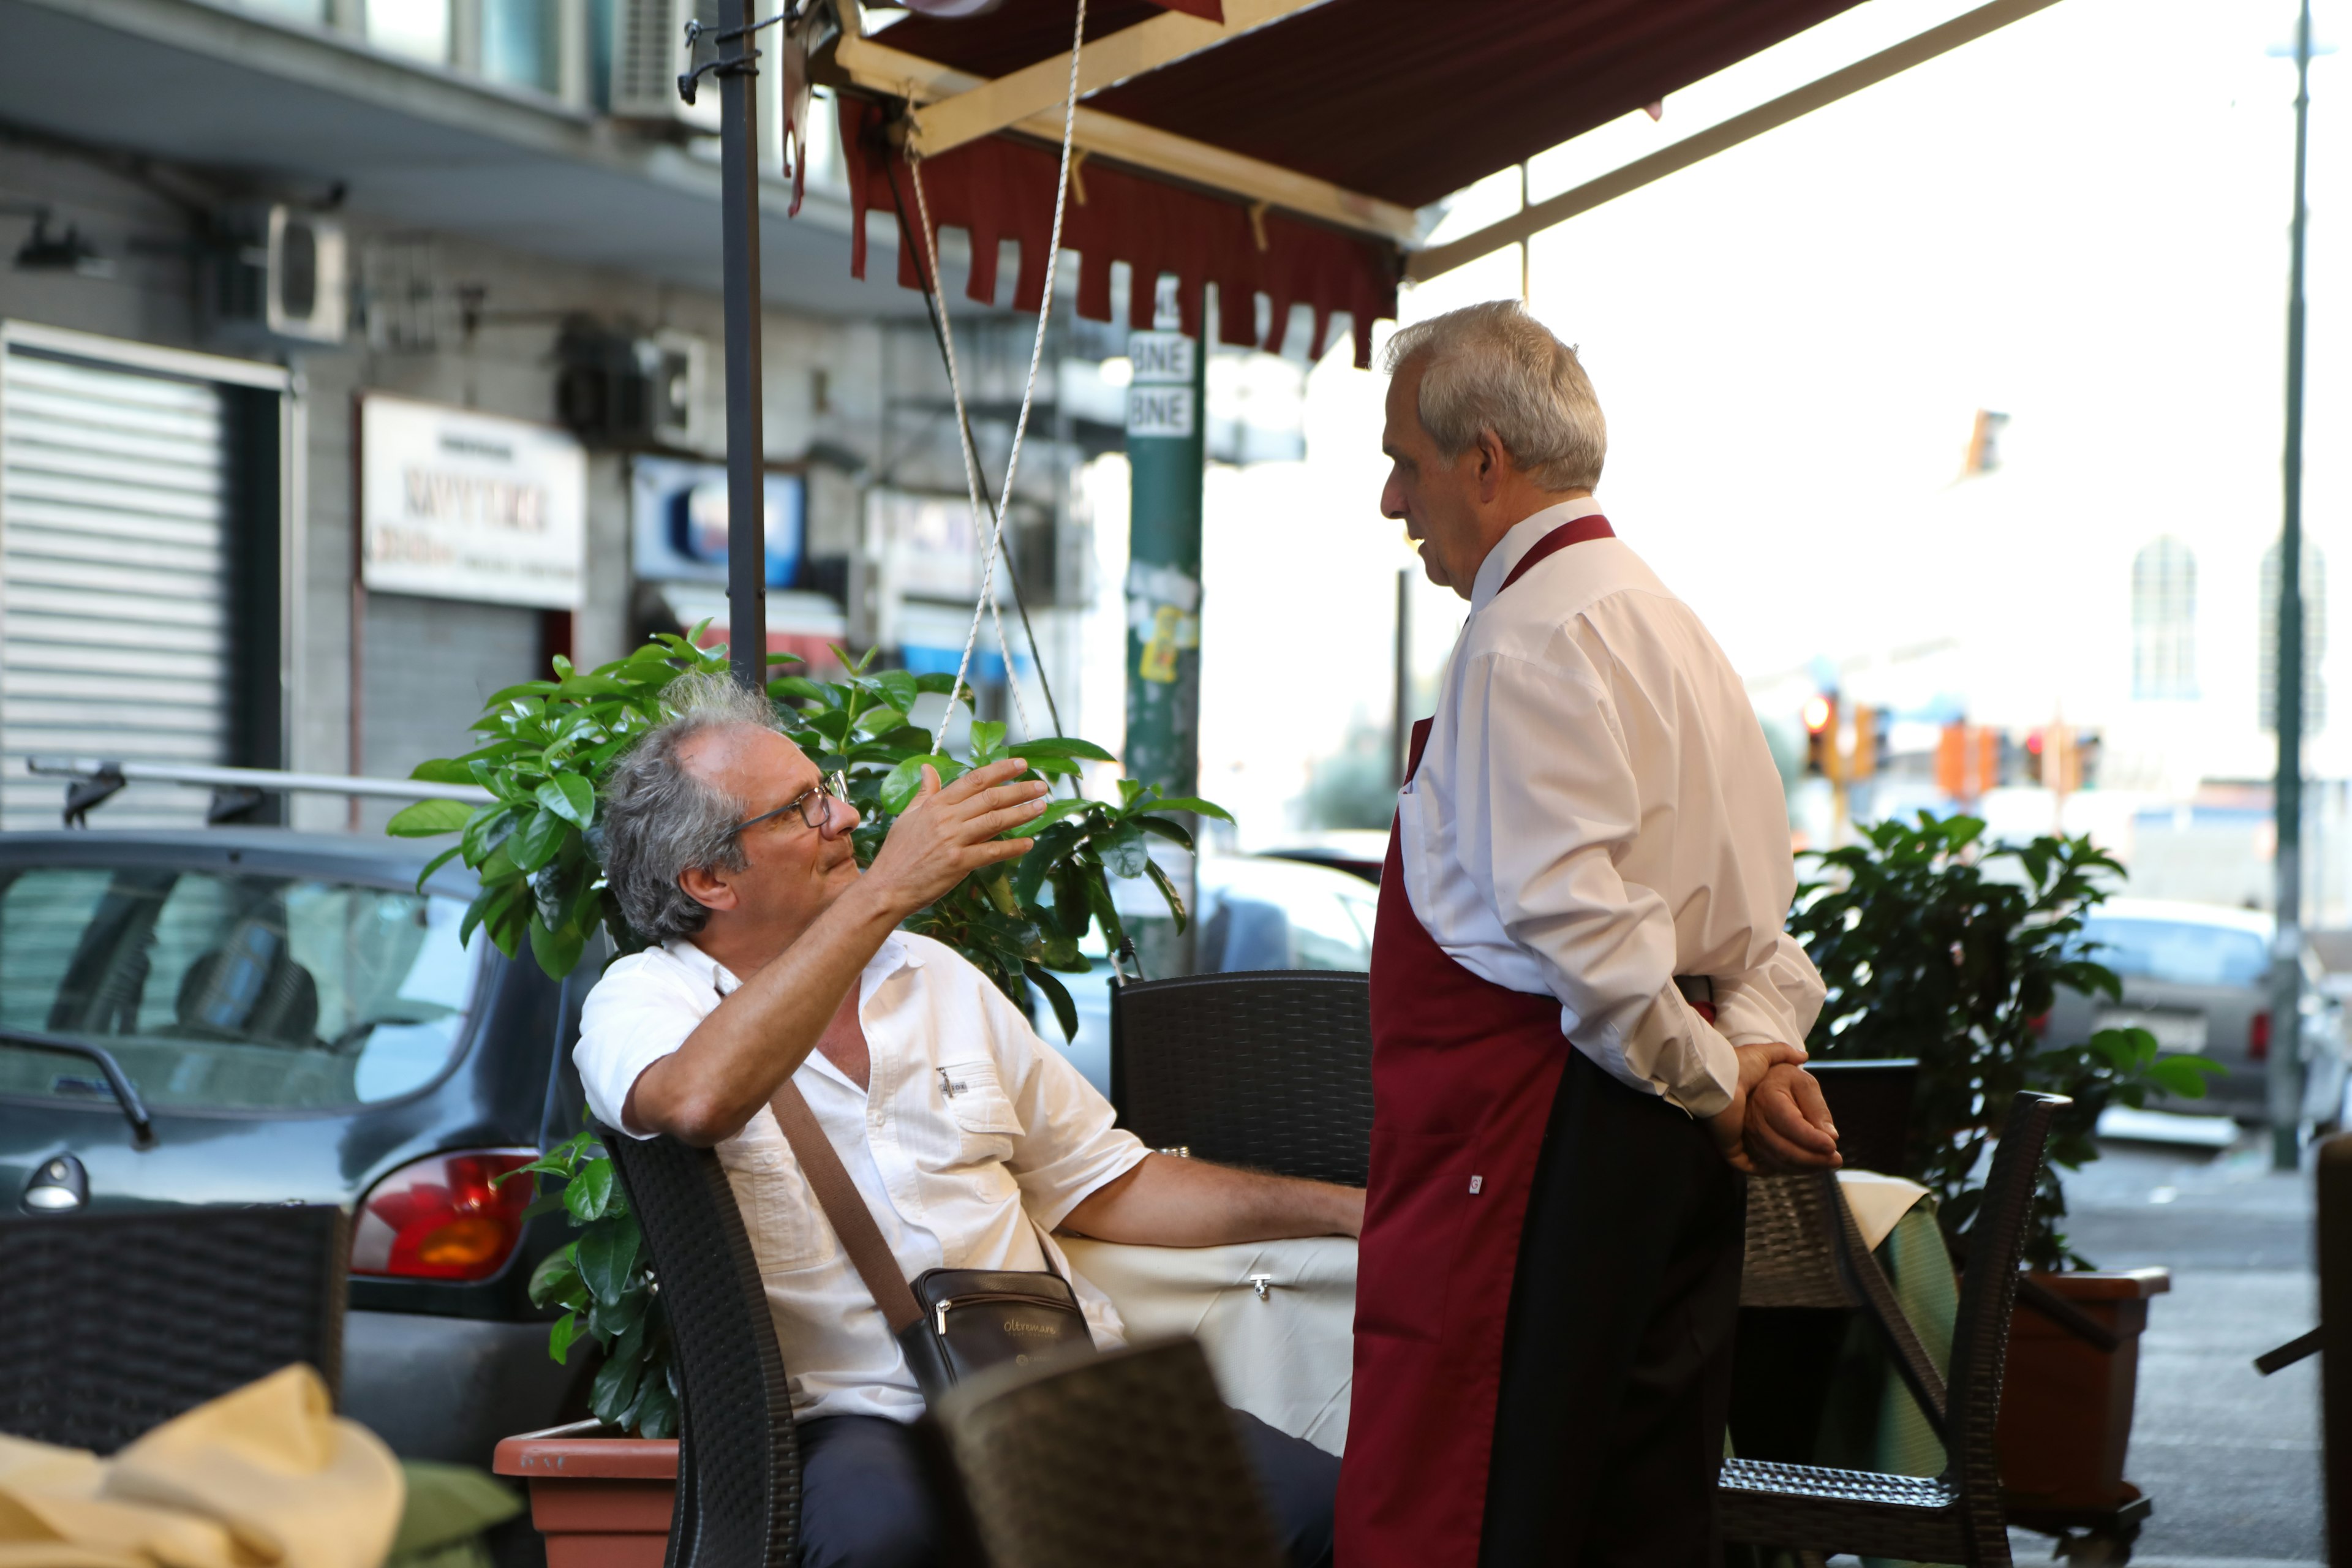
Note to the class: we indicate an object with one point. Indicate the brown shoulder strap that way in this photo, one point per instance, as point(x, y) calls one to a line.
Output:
point(852, 1220)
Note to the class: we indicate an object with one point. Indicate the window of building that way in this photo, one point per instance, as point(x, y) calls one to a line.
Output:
point(2314, 638)
point(2164, 622)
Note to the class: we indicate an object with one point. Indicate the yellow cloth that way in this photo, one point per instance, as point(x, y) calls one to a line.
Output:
point(266, 1477)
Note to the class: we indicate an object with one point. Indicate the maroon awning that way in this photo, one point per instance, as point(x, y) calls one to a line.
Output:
point(1001, 188)
point(1399, 100)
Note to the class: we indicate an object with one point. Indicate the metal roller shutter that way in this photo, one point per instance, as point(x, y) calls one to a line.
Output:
point(114, 592)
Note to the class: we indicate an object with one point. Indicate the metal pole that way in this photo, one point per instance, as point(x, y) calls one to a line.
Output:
point(1400, 715)
point(2286, 959)
point(747, 511)
point(1167, 452)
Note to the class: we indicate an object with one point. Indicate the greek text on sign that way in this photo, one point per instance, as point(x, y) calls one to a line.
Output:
point(459, 505)
point(1160, 411)
point(1161, 357)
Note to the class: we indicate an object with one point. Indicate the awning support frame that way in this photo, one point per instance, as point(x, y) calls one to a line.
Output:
point(933, 128)
point(877, 67)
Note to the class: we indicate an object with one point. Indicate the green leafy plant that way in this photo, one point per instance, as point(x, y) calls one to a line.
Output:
point(603, 1281)
point(535, 846)
point(1936, 944)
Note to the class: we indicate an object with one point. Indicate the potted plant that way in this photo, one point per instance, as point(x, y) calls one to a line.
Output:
point(1936, 944)
point(549, 748)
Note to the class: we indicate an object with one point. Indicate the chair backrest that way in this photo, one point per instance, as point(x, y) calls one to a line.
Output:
point(1129, 1457)
point(117, 1322)
point(1871, 1103)
point(738, 1472)
point(1268, 1068)
point(1988, 1297)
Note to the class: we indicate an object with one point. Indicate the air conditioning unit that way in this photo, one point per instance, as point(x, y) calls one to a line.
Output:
point(620, 388)
point(679, 364)
point(281, 272)
point(649, 54)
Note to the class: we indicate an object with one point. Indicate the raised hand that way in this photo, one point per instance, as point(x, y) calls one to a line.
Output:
point(947, 833)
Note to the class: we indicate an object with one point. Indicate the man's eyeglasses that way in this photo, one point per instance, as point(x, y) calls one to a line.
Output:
point(813, 805)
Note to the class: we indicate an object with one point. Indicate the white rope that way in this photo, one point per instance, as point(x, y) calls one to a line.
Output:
point(987, 603)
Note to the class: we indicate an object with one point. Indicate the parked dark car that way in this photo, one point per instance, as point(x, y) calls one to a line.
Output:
point(2198, 978)
point(302, 1026)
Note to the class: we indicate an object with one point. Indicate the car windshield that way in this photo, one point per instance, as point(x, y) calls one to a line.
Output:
point(228, 991)
point(2179, 953)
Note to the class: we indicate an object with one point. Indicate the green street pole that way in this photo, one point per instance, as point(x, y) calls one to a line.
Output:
point(1166, 455)
point(2286, 959)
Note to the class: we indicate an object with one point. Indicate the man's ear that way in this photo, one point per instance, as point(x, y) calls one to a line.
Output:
point(1494, 461)
point(708, 888)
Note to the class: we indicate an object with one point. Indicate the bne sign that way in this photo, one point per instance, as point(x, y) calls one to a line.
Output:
point(459, 505)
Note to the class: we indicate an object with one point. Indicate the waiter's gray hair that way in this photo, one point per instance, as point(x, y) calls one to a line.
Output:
point(660, 821)
point(1495, 367)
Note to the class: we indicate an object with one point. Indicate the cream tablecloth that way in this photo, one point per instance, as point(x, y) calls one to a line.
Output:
point(1286, 1353)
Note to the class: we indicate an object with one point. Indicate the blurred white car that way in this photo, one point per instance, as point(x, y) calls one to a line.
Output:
point(2198, 977)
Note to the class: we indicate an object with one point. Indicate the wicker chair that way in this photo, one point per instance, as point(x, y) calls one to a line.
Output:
point(1129, 1457)
point(1267, 1068)
point(739, 1470)
point(1956, 1517)
point(118, 1322)
point(1805, 1250)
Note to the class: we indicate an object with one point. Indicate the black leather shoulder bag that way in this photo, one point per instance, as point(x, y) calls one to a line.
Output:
point(950, 1322)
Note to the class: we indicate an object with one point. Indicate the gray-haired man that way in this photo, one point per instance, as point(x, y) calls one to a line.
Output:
point(969, 1139)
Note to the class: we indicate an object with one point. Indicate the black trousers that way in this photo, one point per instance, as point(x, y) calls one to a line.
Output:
point(864, 1503)
point(1617, 1356)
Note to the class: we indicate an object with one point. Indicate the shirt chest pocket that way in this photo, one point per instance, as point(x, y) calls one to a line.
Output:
point(788, 1230)
point(978, 1110)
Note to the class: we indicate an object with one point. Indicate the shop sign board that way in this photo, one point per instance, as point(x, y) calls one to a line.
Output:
point(459, 505)
point(677, 521)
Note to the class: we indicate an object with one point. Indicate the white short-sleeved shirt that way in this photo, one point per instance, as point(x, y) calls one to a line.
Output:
point(975, 1140)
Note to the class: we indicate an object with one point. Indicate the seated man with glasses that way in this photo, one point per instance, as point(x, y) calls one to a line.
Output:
point(969, 1139)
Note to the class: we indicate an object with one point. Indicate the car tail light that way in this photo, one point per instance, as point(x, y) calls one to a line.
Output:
point(440, 1218)
point(2258, 1037)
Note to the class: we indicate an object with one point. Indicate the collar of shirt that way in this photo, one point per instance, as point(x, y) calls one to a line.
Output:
point(889, 958)
point(1522, 538)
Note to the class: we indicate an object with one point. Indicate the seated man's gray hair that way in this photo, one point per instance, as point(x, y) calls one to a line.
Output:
point(661, 822)
point(1495, 367)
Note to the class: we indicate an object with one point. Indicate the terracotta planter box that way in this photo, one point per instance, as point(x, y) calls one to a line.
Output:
point(601, 1502)
point(2066, 1405)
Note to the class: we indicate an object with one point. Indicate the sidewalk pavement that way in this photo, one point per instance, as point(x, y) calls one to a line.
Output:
point(2229, 1458)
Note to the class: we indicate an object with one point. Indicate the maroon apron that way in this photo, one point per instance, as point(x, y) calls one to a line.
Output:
point(1464, 1074)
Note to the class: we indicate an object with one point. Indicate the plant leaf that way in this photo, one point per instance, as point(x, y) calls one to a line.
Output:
point(1190, 803)
point(537, 841)
point(1063, 746)
point(560, 1335)
point(1122, 850)
point(570, 797)
point(422, 819)
point(1057, 996)
point(590, 1192)
point(608, 1256)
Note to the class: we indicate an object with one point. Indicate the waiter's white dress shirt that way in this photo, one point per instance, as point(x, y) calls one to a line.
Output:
point(973, 1142)
point(1596, 812)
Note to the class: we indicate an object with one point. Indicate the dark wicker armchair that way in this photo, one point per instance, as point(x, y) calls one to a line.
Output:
point(1267, 1068)
point(117, 1322)
point(739, 1471)
point(1956, 1517)
point(1129, 1457)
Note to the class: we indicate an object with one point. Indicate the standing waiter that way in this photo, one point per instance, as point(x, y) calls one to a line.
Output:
point(1584, 1009)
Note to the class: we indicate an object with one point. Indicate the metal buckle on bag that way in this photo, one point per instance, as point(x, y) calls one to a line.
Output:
point(1259, 1282)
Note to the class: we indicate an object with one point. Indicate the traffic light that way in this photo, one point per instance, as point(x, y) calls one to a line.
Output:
point(1822, 736)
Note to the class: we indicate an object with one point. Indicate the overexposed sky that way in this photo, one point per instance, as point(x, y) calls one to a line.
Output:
point(2080, 221)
